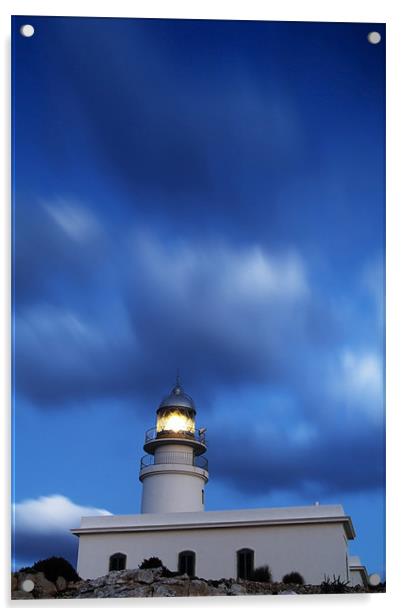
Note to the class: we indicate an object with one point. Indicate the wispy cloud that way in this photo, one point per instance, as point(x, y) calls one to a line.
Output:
point(76, 221)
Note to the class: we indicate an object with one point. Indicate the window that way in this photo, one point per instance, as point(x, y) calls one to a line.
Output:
point(245, 563)
point(202, 497)
point(117, 562)
point(187, 563)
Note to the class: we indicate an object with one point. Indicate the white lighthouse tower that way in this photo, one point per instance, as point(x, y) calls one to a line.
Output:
point(174, 471)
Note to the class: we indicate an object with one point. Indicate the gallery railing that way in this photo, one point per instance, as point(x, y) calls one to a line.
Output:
point(175, 457)
point(197, 435)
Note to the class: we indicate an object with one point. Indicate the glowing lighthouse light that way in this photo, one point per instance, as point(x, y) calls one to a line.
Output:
point(175, 421)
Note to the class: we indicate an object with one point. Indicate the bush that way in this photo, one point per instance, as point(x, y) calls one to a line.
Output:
point(54, 567)
point(293, 578)
point(27, 570)
point(155, 563)
point(336, 586)
point(151, 563)
point(261, 574)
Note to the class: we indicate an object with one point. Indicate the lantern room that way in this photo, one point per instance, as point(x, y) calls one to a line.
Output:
point(176, 414)
point(175, 422)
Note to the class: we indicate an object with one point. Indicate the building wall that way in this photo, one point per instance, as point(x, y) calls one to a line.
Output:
point(356, 578)
point(314, 550)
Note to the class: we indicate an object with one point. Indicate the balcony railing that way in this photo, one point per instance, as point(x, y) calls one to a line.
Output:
point(197, 435)
point(175, 457)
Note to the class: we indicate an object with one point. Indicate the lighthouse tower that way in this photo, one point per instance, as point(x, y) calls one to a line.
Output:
point(174, 471)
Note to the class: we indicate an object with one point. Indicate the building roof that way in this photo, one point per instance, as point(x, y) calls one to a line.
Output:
point(355, 564)
point(177, 398)
point(217, 519)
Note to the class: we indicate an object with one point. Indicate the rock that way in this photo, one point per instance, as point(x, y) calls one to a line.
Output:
point(14, 582)
point(20, 594)
point(97, 582)
point(163, 590)
point(61, 583)
point(171, 587)
point(217, 591)
point(178, 581)
point(199, 588)
point(287, 592)
point(237, 589)
point(151, 582)
point(144, 576)
point(140, 591)
point(43, 588)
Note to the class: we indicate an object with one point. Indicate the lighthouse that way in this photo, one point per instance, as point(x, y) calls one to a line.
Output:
point(174, 470)
point(174, 526)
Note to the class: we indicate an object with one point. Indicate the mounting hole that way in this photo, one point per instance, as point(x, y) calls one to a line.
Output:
point(374, 579)
point(28, 585)
point(27, 30)
point(374, 38)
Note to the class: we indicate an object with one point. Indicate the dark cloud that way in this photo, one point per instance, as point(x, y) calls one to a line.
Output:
point(52, 261)
point(232, 209)
point(336, 460)
point(28, 547)
point(228, 316)
point(209, 309)
point(196, 120)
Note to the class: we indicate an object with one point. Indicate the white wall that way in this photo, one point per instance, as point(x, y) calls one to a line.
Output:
point(356, 578)
point(314, 550)
point(163, 452)
point(180, 490)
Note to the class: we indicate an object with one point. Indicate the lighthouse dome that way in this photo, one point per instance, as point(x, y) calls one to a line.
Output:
point(177, 398)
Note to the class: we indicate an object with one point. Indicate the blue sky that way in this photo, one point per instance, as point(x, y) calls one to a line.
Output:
point(206, 195)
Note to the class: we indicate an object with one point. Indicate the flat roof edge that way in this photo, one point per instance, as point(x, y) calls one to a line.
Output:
point(345, 520)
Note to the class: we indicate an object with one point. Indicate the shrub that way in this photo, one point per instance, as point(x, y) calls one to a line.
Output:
point(155, 563)
point(151, 563)
point(261, 574)
point(334, 586)
point(167, 573)
point(54, 567)
point(27, 570)
point(293, 577)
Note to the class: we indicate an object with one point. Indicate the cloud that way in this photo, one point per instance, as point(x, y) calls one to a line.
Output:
point(77, 222)
point(232, 317)
point(293, 439)
point(357, 383)
point(165, 131)
point(59, 248)
point(225, 312)
point(41, 528)
point(330, 460)
point(233, 272)
point(60, 355)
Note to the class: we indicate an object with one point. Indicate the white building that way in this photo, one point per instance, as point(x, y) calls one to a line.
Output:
point(173, 525)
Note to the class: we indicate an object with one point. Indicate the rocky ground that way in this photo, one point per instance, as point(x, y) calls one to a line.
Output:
point(151, 583)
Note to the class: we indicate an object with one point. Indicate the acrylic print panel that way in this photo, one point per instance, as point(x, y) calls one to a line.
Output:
point(198, 306)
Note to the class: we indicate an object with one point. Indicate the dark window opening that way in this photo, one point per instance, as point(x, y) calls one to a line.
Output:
point(187, 563)
point(117, 562)
point(202, 497)
point(245, 563)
